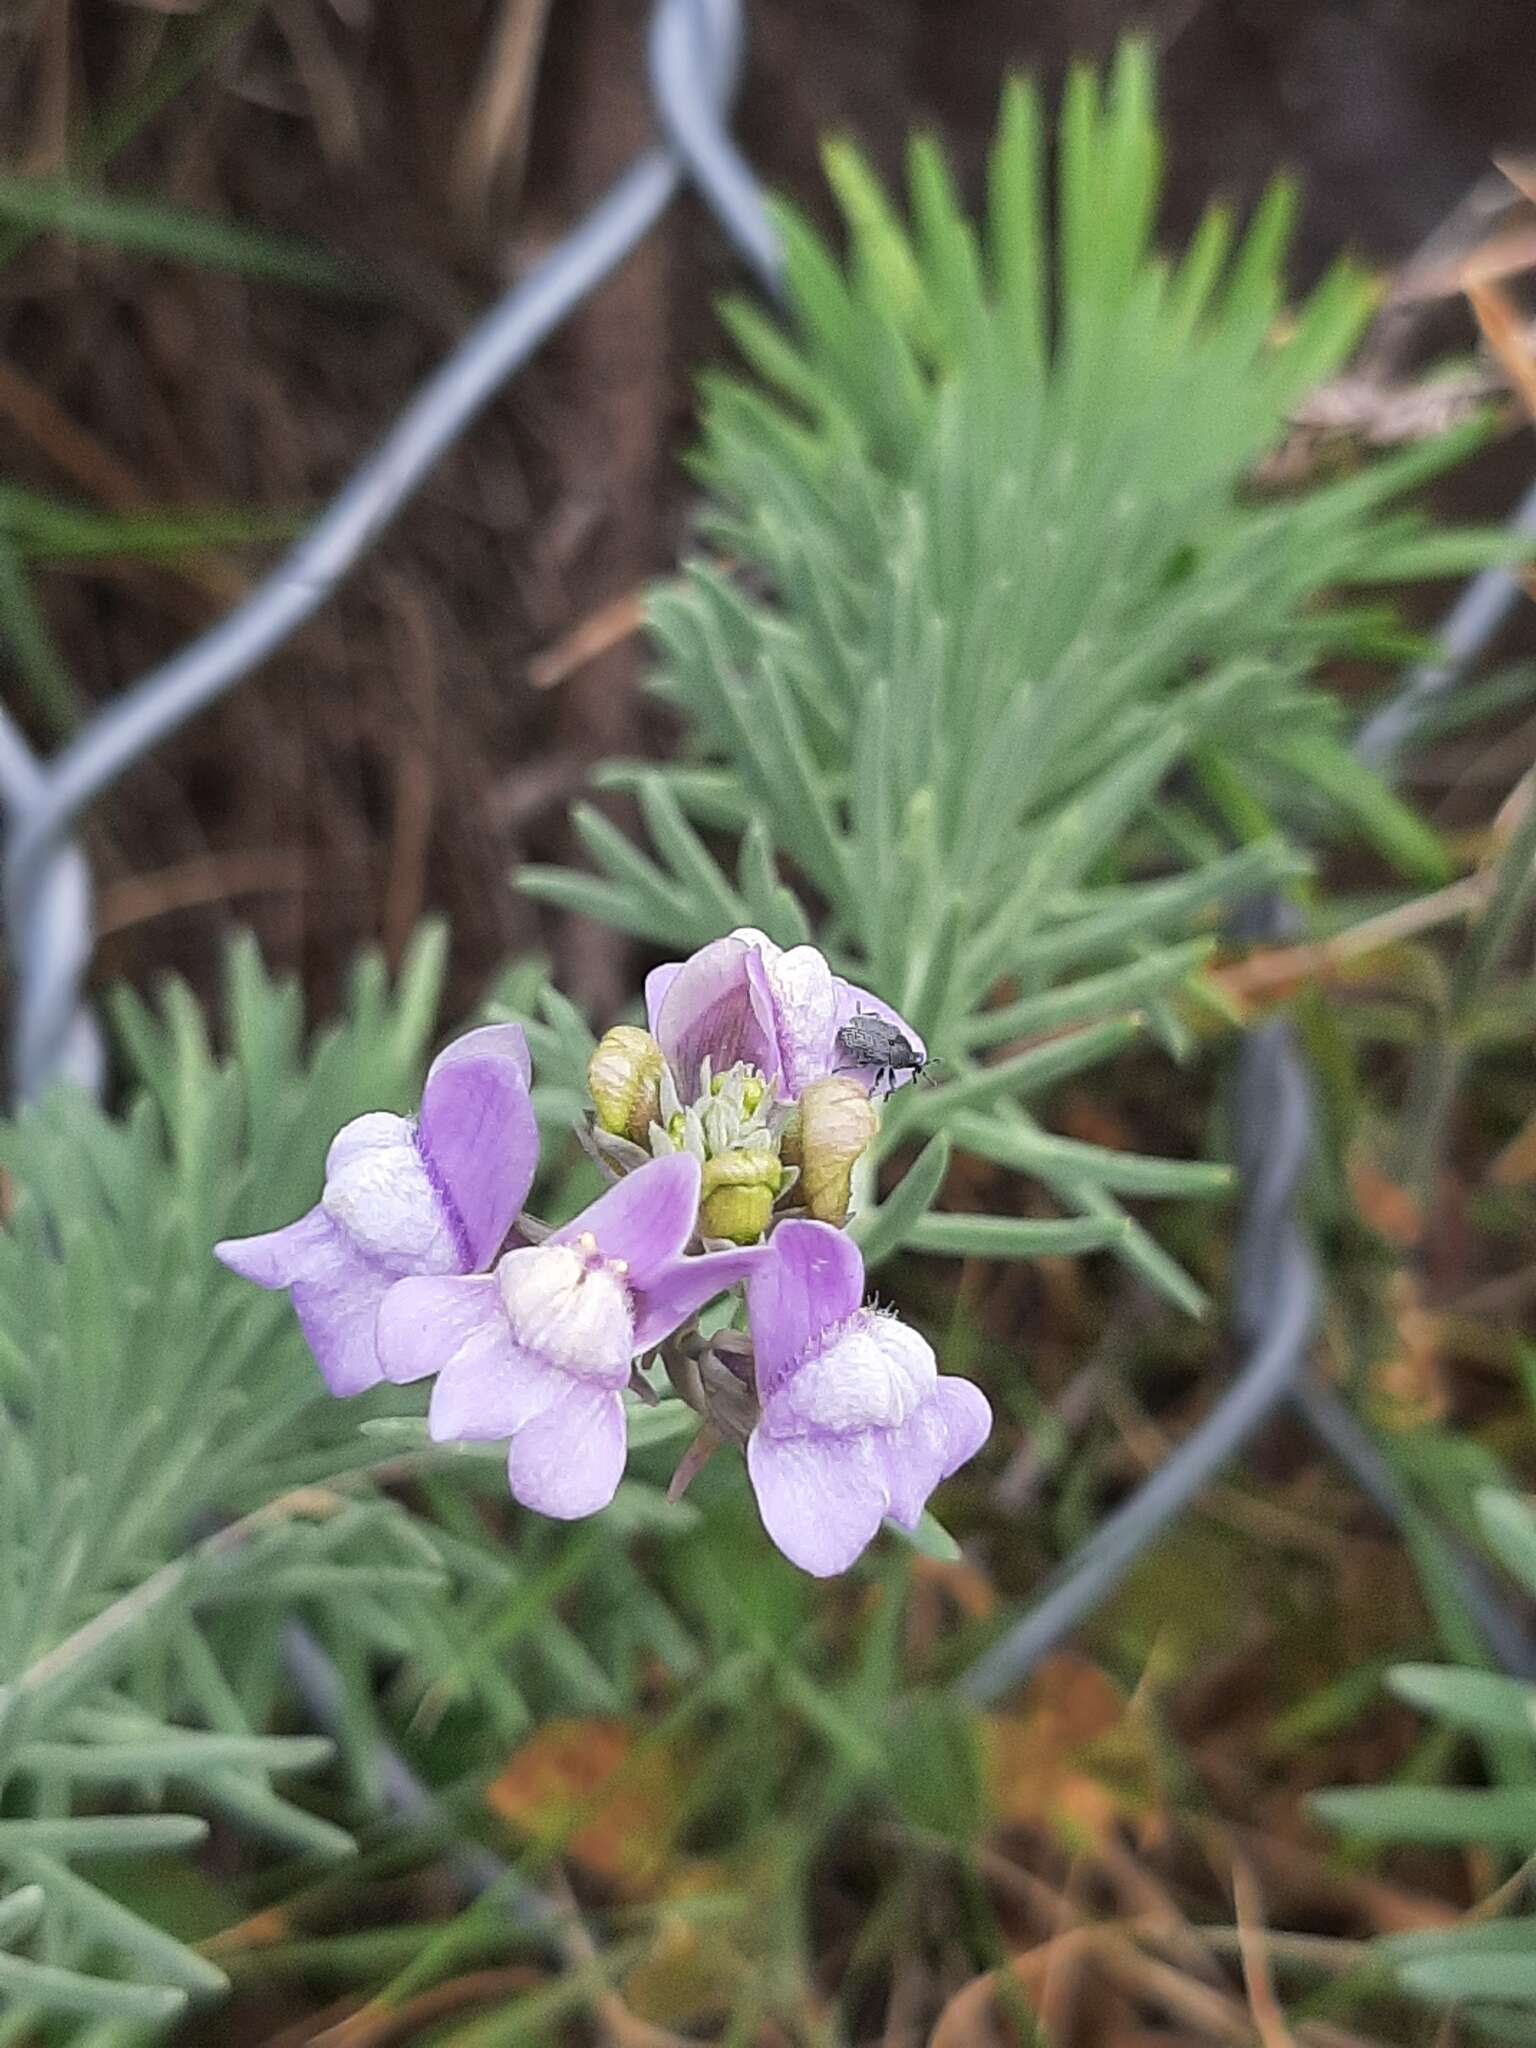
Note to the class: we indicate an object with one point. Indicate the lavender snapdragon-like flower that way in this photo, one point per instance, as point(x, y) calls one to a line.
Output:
point(744, 1000)
point(432, 1195)
point(540, 1351)
point(857, 1422)
point(735, 1121)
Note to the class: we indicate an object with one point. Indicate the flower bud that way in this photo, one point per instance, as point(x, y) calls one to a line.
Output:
point(833, 1124)
point(738, 1195)
point(624, 1076)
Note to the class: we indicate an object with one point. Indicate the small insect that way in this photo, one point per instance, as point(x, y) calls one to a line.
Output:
point(870, 1040)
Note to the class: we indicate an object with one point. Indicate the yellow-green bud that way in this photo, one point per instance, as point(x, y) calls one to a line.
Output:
point(738, 1194)
point(829, 1132)
point(624, 1076)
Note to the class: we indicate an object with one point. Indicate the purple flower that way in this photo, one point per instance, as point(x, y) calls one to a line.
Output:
point(436, 1194)
point(540, 1350)
point(857, 1422)
point(744, 999)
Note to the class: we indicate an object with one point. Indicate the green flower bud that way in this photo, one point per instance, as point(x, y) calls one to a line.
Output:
point(831, 1128)
point(738, 1193)
point(624, 1076)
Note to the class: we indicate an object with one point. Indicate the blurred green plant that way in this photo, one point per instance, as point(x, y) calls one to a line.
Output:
point(997, 621)
point(1487, 1966)
point(176, 1487)
point(1468, 1017)
point(40, 532)
point(177, 1491)
point(142, 227)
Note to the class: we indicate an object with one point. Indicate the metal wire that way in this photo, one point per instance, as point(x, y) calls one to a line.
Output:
point(696, 47)
point(1277, 1288)
point(1277, 1300)
point(694, 54)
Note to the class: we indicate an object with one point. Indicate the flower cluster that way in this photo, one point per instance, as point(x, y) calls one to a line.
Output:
point(730, 1128)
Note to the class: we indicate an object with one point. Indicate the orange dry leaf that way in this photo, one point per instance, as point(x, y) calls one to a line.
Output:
point(608, 627)
point(1521, 173)
point(594, 1790)
point(1408, 1390)
point(1383, 1205)
point(1076, 1759)
point(694, 1968)
point(1122, 1982)
point(971, 1590)
point(1515, 1166)
point(1505, 333)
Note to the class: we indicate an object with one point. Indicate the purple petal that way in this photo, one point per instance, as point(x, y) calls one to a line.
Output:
point(568, 1461)
point(335, 1289)
point(804, 997)
point(947, 1430)
point(657, 982)
point(765, 1012)
point(423, 1323)
point(491, 1389)
point(673, 1293)
point(338, 1318)
point(279, 1257)
point(812, 1279)
point(822, 1498)
point(478, 1136)
point(645, 1219)
point(967, 1420)
point(707, 1008)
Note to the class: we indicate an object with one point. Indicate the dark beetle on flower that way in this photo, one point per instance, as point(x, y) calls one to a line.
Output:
point(870, 1040)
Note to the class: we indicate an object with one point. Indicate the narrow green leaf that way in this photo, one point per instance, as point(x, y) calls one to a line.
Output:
point(38, 661)
point(608, 904)
point(1094, 996)
point(1484, 1701)
point(103, 1834)
point(44, 1987)
point(1396, 830)
point(1472, 1977)
point(1434, 1814)
point(106, 1919)
point(146, 228)
point(19, 1912)
point(879, 1232)
point(1028, 1150)
point(260, 1809)
point(1508, 1523)
point(1013, 1237)
point(180, 1753)
point(648, 887)
point(1026, 1073)
point(695, 868)
point(51, 530)
point(929, 1539)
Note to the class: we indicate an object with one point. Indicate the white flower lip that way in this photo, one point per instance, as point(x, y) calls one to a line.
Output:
point(378, 1189)
point(571, 1306)
point(872, 1373)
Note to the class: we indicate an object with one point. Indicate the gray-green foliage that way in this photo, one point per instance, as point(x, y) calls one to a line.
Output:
point(991, 594)
point(175, 1485)
point(1488, 1966)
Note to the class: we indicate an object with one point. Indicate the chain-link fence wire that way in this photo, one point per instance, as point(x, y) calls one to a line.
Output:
point(694, 54)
